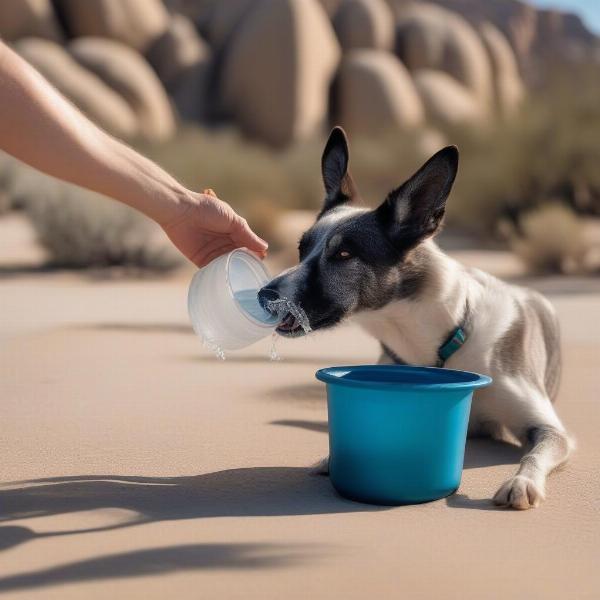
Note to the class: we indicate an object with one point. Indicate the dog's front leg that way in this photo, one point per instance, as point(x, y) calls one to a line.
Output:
point(550, 448)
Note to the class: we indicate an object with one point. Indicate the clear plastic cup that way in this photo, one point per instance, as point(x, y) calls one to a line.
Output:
point(223, 304)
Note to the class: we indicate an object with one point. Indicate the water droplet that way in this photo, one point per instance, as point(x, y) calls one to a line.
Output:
point(274, 353)
point(215, 349)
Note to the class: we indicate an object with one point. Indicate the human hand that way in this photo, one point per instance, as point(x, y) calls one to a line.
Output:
point(207, 227)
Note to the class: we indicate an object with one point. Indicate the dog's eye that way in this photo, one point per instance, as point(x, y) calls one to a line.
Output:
point(342, 255)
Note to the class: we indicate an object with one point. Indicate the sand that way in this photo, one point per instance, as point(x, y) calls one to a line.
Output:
point(136, 465)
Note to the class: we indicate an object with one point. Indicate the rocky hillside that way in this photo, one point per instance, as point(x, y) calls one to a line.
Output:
point(283, 70)
point(540, 38)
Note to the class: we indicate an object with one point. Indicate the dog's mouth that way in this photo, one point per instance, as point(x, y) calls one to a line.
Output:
point(290, 326)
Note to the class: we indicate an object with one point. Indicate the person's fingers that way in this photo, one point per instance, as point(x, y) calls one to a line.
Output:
point(217, 252)
point(242, 235)
point(208, 248)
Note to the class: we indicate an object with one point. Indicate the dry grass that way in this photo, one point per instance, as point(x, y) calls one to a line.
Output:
point(551, 240)
point(80, 229)
point(7, 172)
point(549, 151)
point(260, 183)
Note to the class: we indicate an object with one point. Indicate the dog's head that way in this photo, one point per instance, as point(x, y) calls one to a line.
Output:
point(354, 259)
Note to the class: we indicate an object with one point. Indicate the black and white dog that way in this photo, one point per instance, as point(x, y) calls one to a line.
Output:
point(382, 269)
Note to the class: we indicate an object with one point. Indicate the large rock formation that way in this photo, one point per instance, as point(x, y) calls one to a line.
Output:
point(225, 20)
point(136, 23)
point(197, 11)
point(364, 24)
point(430, 37)
point(177, 49)
point(88, 92)
point(182, 60)
point(446, 101)
point(516, 19)
point(375, 94)
point(125, 71)
point(539, 38)
point(278, 69)
point(508, 87)
point(330, 6)
point(21, 18)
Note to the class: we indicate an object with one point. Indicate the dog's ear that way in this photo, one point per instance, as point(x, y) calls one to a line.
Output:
point(414, 211)
point(339, 187)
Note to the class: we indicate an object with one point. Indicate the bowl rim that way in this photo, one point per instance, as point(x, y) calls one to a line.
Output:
point(326, 376)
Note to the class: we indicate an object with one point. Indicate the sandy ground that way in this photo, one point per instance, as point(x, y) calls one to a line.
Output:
point(136, 465)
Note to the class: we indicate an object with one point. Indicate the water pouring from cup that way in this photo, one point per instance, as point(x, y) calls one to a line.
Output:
point(225, 308)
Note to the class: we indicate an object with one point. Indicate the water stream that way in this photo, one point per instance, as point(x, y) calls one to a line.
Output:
point(282, 306)
point(275, 312)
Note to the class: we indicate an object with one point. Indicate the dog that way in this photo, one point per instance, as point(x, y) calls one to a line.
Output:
point(382, 269)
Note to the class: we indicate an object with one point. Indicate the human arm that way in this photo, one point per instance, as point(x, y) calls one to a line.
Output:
point(43, 129)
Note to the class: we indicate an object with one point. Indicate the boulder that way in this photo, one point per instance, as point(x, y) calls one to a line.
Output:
point(364, 24)
point(136, 23)
point(278, 69)
point(330, 6)
point(374, 94)
point(104, 106)
point(22, 18)
point(446, 101)
point(507, 84)
point(129, 75)
point(182, 60)
point(190, 93)
point(225, 20)
point(431, 37)
point(179, 48)
point(198, 12)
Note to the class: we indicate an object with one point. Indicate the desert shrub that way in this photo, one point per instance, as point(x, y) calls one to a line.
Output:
point(81, 229)
point(7, 174)
point(551, 239)
point(242, 172)
point(548, 150)
point(235, 168)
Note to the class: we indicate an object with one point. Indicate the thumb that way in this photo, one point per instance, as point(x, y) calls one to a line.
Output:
point(242, 235)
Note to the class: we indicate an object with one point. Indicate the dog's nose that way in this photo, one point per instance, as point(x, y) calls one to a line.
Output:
point(266, 295)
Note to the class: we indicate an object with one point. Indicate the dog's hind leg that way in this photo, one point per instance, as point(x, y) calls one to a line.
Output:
point(550, 447)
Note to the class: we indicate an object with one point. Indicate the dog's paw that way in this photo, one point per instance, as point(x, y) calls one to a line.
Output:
point(519, 492)
point(321, 467)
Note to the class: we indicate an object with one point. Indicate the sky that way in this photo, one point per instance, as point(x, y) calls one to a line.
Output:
point(588, 10)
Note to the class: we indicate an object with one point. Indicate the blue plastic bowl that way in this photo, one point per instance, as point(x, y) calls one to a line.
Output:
point(396, 433)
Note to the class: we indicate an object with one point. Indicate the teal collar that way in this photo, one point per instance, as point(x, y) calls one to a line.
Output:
point(454, 342)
